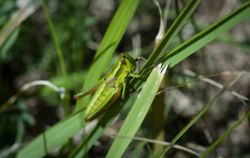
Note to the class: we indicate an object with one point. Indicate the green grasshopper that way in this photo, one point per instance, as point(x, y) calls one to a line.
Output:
point(110, 87)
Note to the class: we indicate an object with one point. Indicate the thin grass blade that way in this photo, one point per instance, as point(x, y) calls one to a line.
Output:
point(208, 35)
point(190, 124)
point(57, 45)
point(173, 31)
point(198, 116)
point(224, 135)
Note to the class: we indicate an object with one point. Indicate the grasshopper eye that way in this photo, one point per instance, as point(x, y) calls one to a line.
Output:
point(123, 61)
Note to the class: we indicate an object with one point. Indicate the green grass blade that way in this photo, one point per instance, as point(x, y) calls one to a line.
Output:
point(173, 31)
point(17, 18)
point(55, 137)
point(197, 117)
point(7, 44)
point(109, 43)
point(224, 135)
point(57, 43)
point(208, 35)
point(191, 123)
point(137, 113)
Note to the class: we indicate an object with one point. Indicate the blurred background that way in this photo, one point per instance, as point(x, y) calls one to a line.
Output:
point(28, 53)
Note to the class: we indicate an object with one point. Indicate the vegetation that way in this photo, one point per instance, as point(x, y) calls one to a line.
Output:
point(191, 99)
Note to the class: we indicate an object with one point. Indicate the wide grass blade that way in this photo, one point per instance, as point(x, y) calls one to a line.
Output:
point(53, 137)
point(206, 36)
point(108, 44)
point(138, 112)
point(224, 135)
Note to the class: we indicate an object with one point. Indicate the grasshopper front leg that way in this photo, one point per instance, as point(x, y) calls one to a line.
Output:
point(123, 90)
point(135, 75)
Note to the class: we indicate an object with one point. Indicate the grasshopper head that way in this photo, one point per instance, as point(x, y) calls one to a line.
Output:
point(127, 62)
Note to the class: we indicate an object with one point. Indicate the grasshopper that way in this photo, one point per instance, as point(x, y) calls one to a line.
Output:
point(110, 87)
